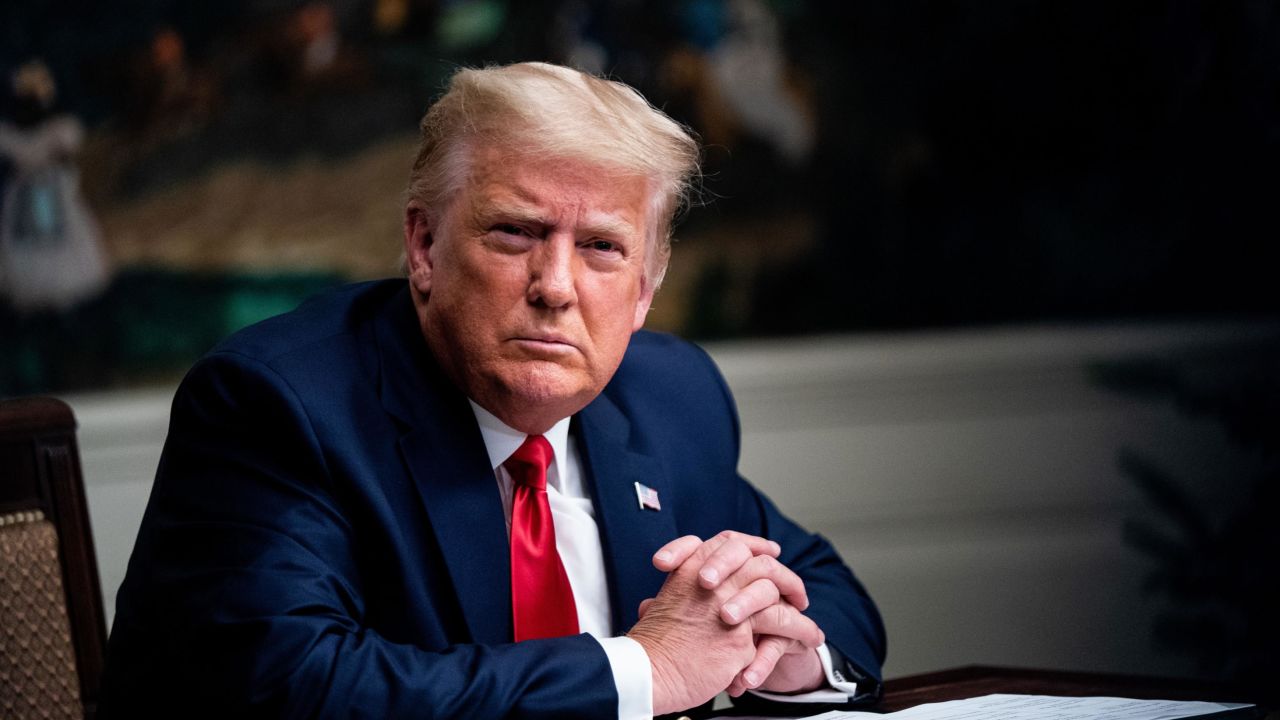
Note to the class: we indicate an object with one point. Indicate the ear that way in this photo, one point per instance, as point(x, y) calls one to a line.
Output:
point(418, 241)
point(642, 304)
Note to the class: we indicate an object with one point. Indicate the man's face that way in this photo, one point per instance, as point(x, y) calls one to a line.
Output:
point(530, 283)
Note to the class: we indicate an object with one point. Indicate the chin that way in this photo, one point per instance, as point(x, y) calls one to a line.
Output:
point(546, 391)
point(551, 386)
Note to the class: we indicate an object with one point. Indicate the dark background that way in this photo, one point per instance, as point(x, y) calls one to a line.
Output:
point(974, 163)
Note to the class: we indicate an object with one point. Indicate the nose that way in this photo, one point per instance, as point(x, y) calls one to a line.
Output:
point(551, 273)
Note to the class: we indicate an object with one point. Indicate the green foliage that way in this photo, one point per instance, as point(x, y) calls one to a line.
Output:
point(1217, 565)
point(151, 324)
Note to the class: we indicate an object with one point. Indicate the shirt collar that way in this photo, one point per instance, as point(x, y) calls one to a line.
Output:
point(501, 440)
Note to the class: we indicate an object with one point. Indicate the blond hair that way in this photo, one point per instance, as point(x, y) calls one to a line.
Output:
point(541, 112)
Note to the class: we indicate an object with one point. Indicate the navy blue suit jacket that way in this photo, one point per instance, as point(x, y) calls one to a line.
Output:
point(325, 536)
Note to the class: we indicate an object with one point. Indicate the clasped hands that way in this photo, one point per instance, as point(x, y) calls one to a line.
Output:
point(729, 618)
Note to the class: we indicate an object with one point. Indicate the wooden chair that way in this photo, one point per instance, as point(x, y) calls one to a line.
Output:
point(52, 629)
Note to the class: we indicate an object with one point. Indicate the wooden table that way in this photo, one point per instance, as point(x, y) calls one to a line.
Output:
point(977, 680)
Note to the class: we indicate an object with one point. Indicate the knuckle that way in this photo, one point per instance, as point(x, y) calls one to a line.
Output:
point(776, 651)
point(781, 616)
point(725, 550)
point(754, 599)
point(710, 545)
point(764, 592)
point(764, 565)
point(767, 650)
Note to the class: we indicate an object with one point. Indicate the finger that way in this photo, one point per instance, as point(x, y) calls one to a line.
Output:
point(769, 650)
point(725, 552)
point(644, 607)
point(673, 554)
point(787, 622)
point(750, 600)
point(723, 561)
point(790, 586)
point(758, 545)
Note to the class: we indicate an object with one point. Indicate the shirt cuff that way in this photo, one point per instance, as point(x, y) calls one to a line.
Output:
point(632, 676)
point(838, 690)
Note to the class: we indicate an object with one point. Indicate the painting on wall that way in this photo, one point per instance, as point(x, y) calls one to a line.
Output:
point(173, 171)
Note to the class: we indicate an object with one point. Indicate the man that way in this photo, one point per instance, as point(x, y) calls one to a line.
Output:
point(477, 494)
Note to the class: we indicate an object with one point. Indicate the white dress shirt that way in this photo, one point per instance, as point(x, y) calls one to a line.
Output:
point(578, 543)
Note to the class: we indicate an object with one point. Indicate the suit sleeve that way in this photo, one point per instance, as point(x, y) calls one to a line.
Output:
point(839, 604)
point(244, 595)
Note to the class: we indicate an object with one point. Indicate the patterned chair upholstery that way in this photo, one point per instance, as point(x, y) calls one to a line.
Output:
point(52, 629)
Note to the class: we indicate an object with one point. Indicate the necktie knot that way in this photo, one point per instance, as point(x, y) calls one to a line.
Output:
point(528, 464)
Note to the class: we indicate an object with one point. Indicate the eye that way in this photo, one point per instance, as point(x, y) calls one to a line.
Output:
point(603, 246)
point(509, 229)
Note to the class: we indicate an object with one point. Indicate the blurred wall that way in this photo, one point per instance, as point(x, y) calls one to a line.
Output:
point(972, 480)
point(969, 477)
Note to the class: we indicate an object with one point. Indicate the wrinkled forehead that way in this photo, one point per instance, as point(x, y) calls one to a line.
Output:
point(536, 185)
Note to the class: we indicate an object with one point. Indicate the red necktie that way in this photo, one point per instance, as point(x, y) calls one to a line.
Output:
point(541, 599)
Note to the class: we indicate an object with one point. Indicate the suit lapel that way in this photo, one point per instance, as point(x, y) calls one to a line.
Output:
point(444, 452)
point(629, 534)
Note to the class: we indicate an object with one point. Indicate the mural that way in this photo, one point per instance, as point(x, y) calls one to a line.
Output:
point(172, 171)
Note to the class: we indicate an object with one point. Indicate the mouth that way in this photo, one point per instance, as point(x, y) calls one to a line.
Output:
point(547, 342)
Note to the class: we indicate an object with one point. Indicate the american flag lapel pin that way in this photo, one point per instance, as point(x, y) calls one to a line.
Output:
point(648, 497)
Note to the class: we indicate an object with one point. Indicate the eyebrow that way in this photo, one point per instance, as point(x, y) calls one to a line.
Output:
point(610, 226)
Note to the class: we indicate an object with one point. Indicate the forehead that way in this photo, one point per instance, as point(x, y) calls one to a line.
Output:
point(556, 191)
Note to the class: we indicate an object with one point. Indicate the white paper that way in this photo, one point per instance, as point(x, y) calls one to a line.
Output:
point(833, 715)
point(841, 714)
point(1044, 707)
